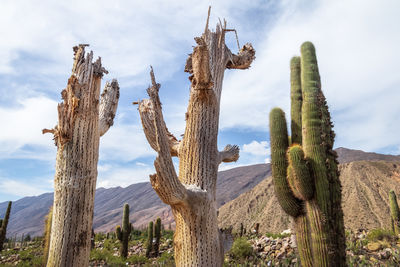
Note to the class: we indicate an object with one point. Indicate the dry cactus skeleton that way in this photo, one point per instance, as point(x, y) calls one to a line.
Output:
point(191, 194)
point(82, 118)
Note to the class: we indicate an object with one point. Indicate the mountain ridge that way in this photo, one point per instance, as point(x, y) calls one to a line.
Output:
point(146, 205)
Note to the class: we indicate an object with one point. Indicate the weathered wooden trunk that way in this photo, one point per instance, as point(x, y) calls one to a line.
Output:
point(82, 119)
point(192, 195)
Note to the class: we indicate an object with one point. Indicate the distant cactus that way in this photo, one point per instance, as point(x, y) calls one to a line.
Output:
point(394, 211)
point(3, 226)
point(149, 247)
point(123, 234)
point(157, 235)
point(241, 229)
point(305, 174)
point(47, 233)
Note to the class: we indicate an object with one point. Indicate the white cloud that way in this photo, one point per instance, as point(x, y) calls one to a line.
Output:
point(357, 48)
point(255, 152)
point(21, 134)
point(124, 176)
point(18, 188)
point(124, 143)
point(257, 148)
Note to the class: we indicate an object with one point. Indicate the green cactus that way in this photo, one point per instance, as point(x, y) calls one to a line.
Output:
point(305, 173)
point(157, 235)
point(123, 234)
point(47, 233)
point(149, 247)
point(3, 226)
point(394, 212)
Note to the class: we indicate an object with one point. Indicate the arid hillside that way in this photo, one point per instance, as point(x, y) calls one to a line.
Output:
point(366, 185)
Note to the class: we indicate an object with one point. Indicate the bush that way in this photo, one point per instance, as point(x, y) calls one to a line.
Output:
point(166, 259)
point(380, 234)
point(275, 236)
point(241, 249)
point(137, 259)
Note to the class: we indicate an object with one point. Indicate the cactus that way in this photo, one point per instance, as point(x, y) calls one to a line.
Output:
point(83, 117)
point(305, 173)
point(157, 235)
point(241, 229)
point(149, 247)
point(47, 233)
point(191, 192)
point(3, 225)
point(394, 212)
point(123, 234)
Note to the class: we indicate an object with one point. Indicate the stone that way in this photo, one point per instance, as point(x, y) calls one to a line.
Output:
point(374, 246)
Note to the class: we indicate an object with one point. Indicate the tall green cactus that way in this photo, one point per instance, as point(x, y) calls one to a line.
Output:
point(305, 173)
point(3, 226)
point(157, 235)
point(149, 247)
point(123, 234)
point(47, 234)
point(394, 212)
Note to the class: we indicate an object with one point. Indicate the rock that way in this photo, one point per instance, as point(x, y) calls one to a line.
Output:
point(293, 241)
point(374, 246)
point(385, 254)
point(287, 232)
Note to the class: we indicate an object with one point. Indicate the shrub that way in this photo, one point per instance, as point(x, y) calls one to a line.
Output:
point(241, 249)
point(380, 234)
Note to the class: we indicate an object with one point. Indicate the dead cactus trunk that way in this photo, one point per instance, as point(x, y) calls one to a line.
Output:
point(191, 195)
point(82, 119)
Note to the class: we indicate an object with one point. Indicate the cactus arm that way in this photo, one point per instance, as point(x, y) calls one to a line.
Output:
point(296, 100)
point(229, 154)
point(108, 106)
point(279, 144)
point(165, 182)
point(395, 212)
point(147, 115)
point(118, 232)
point(312, 124)
point(243, 59)
point(299, 178)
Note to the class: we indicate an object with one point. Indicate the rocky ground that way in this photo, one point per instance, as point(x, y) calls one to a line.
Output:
point(374, 248)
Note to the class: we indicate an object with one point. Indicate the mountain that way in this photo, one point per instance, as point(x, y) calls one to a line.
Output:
point(27, 214)
point(252, 196)
point(365, 201)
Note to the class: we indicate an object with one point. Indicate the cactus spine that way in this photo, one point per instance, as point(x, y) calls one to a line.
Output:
point(123, 234)
point(157, 235)
point(394, 212)
point(306, 177)
point(3, 225)
point(149, 240)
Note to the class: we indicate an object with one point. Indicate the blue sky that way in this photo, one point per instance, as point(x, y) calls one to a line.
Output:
point(357, 46)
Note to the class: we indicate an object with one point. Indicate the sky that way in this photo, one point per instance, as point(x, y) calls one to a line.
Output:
point(357, 44)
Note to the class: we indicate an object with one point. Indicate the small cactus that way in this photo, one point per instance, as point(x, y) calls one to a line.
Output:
point(123, 234)
point(241, 229)
point(394, 212)
point(3, 226)
point(157, 235)
point(47, 233)
point(149, 247)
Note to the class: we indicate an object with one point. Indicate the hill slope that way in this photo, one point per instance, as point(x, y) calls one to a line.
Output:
point(144, 203)
point(365, 188)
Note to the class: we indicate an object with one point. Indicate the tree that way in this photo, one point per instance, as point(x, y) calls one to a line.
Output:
point(191, 195)
point(82, 118)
